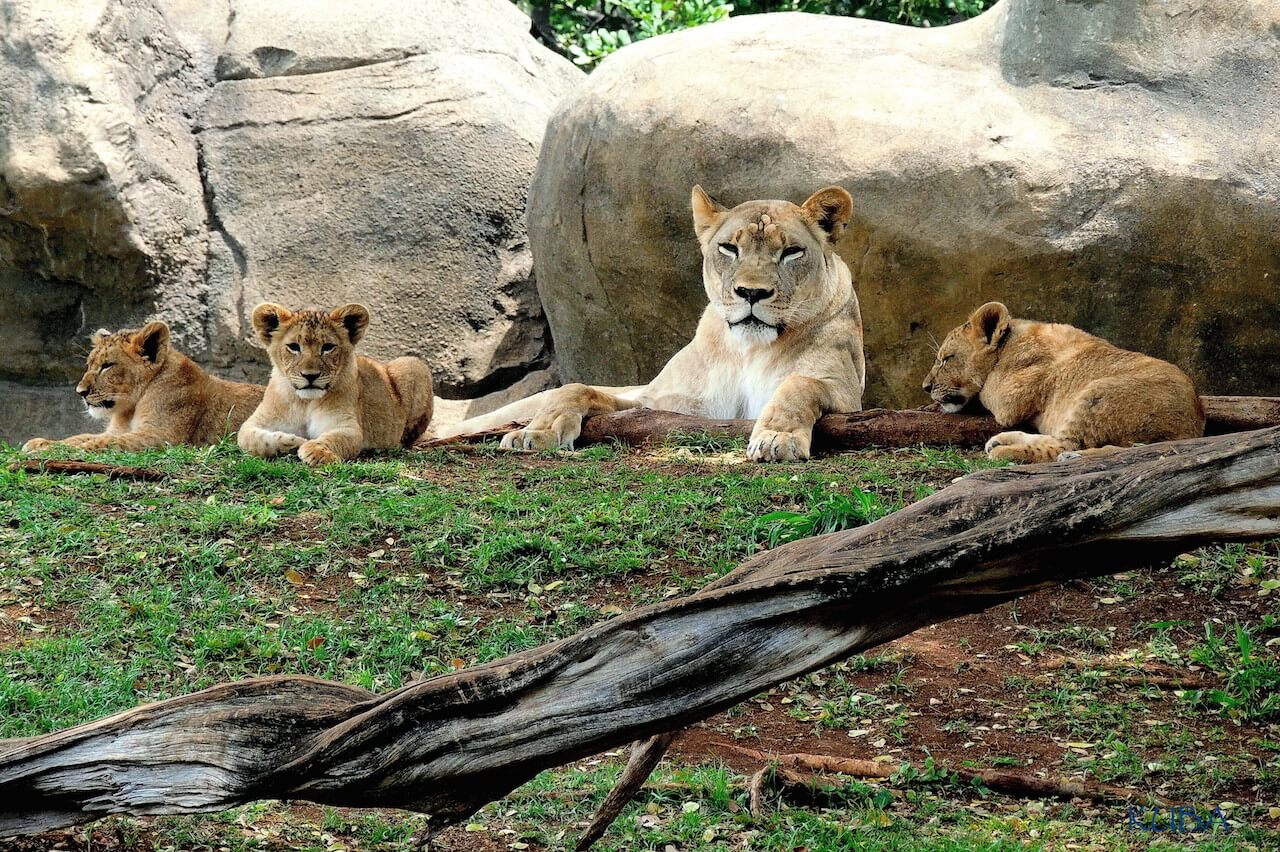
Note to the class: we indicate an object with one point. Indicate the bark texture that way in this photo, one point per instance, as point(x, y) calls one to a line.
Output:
point(876, 427)
point(447, 746)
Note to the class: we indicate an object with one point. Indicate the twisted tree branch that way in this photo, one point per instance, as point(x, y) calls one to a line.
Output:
point(449, 745)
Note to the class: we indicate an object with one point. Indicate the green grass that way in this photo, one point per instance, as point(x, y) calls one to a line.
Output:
point(404, 566)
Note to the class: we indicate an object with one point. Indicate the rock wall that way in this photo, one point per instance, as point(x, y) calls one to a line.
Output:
point(185, 159)
point(1113, 165)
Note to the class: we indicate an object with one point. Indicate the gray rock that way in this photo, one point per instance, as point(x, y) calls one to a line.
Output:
point(183, 159)
point(1110, 164)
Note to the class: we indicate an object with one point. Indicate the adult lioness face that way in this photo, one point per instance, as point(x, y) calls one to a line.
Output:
point(764, 263)
point(310, 348)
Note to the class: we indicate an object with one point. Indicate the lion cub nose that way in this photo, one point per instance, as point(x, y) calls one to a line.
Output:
point(82, 391)
point(927, 387)
point(752, 295)
point(311, 377)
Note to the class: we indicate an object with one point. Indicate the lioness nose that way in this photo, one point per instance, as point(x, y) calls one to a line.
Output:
point(752, 295)
point(83, 391)
point(311, 377)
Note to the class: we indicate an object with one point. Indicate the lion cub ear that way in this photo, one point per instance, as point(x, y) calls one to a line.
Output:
point(706, 212)
point(991, 323)
point(152, 341)
point(830, 210)
point(354, 318)
point(267, 319)
point(99, 336)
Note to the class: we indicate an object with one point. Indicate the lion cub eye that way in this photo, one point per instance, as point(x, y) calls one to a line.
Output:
point(293, 347)
point(791, 253)
point(106, 367)
point(728, 249)
point(327, 348)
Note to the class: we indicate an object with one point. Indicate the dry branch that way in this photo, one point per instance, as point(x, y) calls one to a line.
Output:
point(111, 471)
point(1011, 783)
point(876, 427)
point(449, 745)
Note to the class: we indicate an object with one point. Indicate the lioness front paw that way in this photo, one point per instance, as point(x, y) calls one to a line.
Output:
point(767, 445)
point(532, 439)
point(35, 445)
point(1007, 439)
point(316, 453)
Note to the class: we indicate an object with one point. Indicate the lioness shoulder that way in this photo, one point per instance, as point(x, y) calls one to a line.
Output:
point(151, 395)
point(1077, 390)
point(325, 400)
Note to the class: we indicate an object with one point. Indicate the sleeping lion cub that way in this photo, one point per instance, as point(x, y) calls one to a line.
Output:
point(1078, 390)
point(151, 395)
point(324, 400)
point(780, 340)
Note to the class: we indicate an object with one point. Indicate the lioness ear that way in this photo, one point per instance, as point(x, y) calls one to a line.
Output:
point(152, 341)
point(706, 212)
point(267, 319)
point(830, 210)
point(354, 318)
point(991, 322)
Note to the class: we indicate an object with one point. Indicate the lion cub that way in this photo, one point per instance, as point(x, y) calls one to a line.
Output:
point(1076, 389)
point(324, 400)
point(152, 395)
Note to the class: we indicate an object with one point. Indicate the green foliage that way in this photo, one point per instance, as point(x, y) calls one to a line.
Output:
point(828, 513)
point(588, 30)
point(1251, 681)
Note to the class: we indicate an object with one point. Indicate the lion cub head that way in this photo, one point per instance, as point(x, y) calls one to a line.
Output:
point(766, 265)
point(310, 349)
point(967, 356)
point(119, 367)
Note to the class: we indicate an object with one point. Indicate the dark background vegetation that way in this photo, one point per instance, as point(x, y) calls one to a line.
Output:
point(586, 31)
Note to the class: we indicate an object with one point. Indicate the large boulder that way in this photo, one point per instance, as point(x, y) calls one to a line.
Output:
point(1115, 165)
point(185, 159)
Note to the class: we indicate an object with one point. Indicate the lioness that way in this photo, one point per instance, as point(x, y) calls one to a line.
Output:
point(152, 395)
point(779, 341)
point(1078, 390)
point(324, 400)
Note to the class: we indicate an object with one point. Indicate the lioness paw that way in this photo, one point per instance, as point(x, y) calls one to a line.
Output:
point(767, 445)
point(35, 445)
point(315, 453)
point(532, 439)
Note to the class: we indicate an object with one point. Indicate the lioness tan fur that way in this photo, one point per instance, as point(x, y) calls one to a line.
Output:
point(151, 395)
point(1077, 390)
point(779, 341)
point(324, 400)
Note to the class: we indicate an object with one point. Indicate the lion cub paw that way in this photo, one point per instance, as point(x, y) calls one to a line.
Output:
point(531, 439)
point(316, 453)
point(767, 445)
point(1007, 439)
point(35, 445)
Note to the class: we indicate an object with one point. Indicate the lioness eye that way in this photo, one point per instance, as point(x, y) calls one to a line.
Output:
point(728, 249)
point(327, 348)
point(791, 252)
point(293, 347)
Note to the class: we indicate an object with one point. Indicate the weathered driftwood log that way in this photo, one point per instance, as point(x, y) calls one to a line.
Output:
point(447, 746)
point(876, 427)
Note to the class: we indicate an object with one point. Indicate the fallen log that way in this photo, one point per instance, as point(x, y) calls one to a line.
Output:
point(110, 471)
point(875, 427)
point(999, 780)
point(449, 745)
